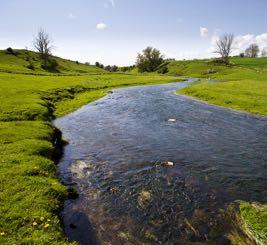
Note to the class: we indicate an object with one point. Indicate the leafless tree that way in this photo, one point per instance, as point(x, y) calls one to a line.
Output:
point(42, 44)
point(224, 46)
point(264, 52)
point(252, 51)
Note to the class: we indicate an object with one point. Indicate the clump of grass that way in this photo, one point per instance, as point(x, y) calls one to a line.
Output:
point(248, 221)
point(254, 217)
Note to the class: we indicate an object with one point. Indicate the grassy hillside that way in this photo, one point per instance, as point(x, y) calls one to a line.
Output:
point(24, 61)
point(209, 69)
point(30, 193)
point(254, 63)
point(244, 85)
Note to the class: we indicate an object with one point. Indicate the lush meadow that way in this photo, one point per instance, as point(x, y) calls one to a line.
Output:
point(30, 193)
point(243, 85)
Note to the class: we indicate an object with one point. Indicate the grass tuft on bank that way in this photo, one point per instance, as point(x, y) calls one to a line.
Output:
point(253, 217)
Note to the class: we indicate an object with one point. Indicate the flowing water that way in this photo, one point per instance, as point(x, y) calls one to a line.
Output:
point(145, 179)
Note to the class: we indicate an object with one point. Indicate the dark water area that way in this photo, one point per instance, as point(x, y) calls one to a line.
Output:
point(146, 179)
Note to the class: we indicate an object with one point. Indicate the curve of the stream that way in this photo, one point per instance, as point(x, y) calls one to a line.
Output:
point(144, 178)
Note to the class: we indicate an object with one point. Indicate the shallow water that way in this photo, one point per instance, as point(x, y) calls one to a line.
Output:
point(115, 157)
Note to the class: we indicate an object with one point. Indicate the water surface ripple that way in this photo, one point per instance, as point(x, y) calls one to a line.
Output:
point(114, 157)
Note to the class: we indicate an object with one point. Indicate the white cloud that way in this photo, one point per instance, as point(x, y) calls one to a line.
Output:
point(101, 26)
point(261, 38)
point(71, 16)
point(204, 32)
point(242, 41)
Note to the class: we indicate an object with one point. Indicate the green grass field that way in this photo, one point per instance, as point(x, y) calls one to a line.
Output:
point(30, 193)
point(21, 59)
point(243, 86)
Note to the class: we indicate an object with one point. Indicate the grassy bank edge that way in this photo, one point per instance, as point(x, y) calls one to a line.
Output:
point(40, 153)
point(248, 221)
point(251, 97)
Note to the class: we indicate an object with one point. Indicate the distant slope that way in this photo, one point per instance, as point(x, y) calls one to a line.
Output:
point(206, 68)
point(22, 59)
point(254, 63)
point(244, 85)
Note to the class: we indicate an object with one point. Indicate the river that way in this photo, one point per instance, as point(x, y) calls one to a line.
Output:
point(155, 167)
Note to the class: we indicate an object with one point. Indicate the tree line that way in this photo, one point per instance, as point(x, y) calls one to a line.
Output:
point(254, 51)
point(149, 60)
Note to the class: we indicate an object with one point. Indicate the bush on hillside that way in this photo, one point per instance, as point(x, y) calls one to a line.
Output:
point(30, 66)
point(127, 68)
point(97, 64)
point(163, 68)
point(113, 68)
point(50, 65)
point(219, 61)
point(10, 51)
point(209, 71)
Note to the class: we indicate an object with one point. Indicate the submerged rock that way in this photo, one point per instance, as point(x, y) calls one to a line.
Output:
point(166, 164)
point(144, 198)
point(81, 169)
point(72, 226)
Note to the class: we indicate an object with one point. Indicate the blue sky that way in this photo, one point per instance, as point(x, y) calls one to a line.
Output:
point(113, 31)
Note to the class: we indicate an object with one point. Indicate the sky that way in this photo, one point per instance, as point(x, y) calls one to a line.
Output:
point(114, 31)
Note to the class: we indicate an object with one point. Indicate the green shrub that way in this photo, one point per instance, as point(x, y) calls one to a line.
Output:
point(10, 51)
point(163, 68)
point(31, 66)
point(50, 65)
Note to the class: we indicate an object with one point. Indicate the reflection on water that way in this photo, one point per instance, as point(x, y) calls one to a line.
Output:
point(117, 157)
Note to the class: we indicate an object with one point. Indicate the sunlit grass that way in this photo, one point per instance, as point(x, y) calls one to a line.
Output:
point(30, 193)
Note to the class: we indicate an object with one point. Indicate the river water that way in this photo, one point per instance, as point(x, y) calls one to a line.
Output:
point(145, 179)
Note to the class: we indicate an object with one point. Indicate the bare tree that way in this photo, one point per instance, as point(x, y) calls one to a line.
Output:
point(42, 44)
point(224, 46)
point(264, 52)
point(252, 51)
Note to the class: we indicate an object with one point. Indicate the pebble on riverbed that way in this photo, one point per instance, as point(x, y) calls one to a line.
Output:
point(144, 198)
point(166, 164)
